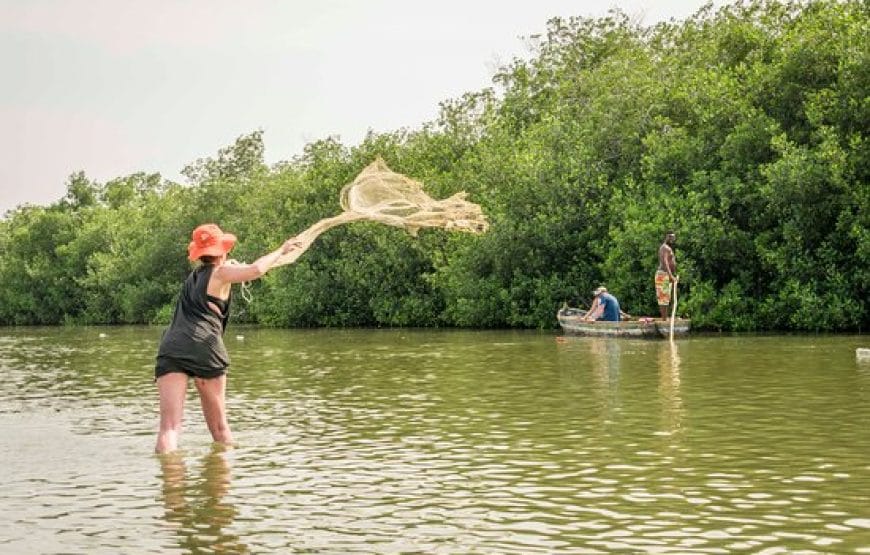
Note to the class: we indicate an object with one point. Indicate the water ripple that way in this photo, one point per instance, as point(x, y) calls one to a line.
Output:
point(439, 442)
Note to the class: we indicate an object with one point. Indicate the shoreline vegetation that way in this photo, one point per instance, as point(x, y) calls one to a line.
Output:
point(743, 129)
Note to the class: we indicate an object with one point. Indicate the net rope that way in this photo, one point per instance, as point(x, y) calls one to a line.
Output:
point(381, 195)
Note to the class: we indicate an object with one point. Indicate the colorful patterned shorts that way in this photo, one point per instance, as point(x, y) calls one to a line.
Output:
point(663, 288)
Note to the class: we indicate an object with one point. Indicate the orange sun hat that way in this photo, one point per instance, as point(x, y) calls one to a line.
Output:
point(209, 240)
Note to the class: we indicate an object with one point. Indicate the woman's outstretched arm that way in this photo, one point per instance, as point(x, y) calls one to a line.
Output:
point(238, 273)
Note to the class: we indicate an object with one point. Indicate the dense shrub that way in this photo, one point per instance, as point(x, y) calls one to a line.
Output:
point(743, 129)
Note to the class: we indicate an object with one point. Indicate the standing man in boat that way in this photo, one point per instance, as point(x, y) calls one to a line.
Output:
point(605, 307)
point(666, 274)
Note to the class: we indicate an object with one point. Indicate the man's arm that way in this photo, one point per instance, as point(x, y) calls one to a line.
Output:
point(594, 311)
point(673, 264)
point(667, 261)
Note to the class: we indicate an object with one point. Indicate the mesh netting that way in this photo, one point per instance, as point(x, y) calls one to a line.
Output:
point(378, 194)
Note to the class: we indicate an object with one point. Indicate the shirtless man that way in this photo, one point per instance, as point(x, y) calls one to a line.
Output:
point(666, 274)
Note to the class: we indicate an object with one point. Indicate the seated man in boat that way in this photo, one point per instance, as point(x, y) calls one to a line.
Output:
point(605, 307)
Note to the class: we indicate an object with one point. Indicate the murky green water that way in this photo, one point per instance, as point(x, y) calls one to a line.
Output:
point(441, 442)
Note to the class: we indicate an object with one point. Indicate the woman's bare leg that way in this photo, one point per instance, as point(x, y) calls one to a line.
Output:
point(172, 388)
point(212, 394)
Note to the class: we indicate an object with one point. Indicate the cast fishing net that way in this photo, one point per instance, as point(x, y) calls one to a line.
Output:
point(378, 194)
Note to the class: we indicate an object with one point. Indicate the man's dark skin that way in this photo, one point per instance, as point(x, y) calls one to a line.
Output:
point(667, 263)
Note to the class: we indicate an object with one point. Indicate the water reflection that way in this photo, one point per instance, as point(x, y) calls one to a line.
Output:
point(605, 354)
point(195, 506)
point(601, 361)
point(669, 386)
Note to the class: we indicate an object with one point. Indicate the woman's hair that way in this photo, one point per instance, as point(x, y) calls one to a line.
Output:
point(206, 259)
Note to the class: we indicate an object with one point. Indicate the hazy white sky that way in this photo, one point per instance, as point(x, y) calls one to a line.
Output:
point(112, 87)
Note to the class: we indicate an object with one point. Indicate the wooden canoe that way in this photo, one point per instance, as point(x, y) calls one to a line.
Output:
point(571, 320)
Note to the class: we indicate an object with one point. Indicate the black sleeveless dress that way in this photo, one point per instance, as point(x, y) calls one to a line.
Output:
point(194, 343)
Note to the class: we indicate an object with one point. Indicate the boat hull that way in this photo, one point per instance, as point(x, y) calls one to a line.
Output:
point(572, 323)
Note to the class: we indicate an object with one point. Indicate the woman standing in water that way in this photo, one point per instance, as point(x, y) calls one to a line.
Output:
point(193, 345)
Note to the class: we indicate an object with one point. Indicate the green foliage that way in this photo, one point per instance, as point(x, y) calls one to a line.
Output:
point(744, 129)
